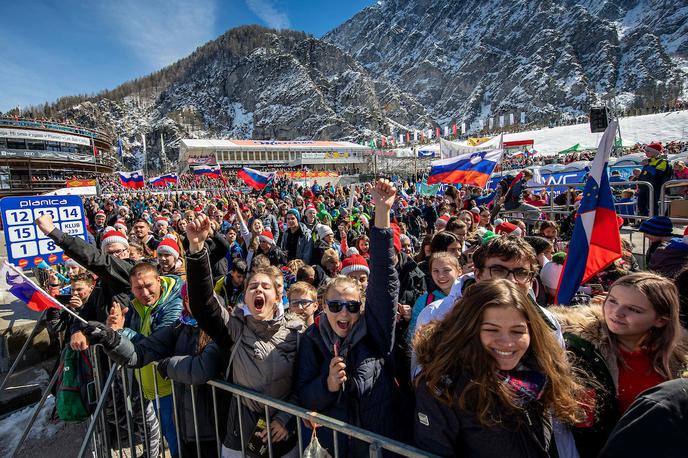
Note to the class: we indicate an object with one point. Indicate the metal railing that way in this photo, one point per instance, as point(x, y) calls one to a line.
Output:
point(137, 436)
point(663, 200)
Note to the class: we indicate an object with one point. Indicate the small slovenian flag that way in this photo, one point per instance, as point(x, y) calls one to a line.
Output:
point(255, 179)
point(470, 169)
point(596, 241)
point(212, 171)
point(164, 180)
point(26, 291)
point(132, 180)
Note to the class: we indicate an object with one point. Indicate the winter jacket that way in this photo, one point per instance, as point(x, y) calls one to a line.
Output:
point(514, 196)
point(411, 279)
point(654, 425)
point(587, 338)
point(112, 272)
point(369, 398)
point(422, 302)
point(276, 256)
point(264, 358)
point(304, 245)
point(146, 320)
point(186, 367)
point(450, 431)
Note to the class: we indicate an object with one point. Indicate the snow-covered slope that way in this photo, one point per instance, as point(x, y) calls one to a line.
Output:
point(470, 59)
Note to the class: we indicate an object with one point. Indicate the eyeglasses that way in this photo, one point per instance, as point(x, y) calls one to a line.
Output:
point(520, 275)
point(302, 303)
point(337, 306)
point(116, 252)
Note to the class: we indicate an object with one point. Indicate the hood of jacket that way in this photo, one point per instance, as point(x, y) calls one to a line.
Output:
point(588, 323)
point(170, 289)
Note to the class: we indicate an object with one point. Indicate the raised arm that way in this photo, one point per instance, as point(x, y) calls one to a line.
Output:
point(383, 286)
point(113, 270)
point(211, 316)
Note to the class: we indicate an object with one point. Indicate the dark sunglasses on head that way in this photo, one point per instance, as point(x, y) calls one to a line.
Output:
point(351, 306)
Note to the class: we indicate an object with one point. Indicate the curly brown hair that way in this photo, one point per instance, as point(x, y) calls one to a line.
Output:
point(452, 347)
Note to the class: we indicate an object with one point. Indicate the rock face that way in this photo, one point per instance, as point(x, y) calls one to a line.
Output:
point(467, 60)
point(251, 83)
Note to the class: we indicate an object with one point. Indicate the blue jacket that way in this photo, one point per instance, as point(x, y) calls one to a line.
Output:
point(370, 396)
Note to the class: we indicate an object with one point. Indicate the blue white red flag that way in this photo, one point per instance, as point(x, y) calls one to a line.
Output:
point(212, 171)
point(132, 180)
point(255, 179)
point(27, 291)
point(596, 241)
point(468, 169)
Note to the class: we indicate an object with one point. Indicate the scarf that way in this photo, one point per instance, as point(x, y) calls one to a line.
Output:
point(332, 340)
point(526, 384)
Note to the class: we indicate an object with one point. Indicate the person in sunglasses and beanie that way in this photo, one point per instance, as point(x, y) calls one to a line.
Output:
point(345, 364)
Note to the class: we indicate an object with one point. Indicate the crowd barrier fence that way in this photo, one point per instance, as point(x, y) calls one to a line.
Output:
point(106, 434)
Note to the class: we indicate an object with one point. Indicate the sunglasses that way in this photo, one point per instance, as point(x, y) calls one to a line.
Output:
point(302, 303)
point(337, 306)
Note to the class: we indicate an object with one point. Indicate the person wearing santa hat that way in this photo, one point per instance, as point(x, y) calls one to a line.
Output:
point(169, 261)
point(356, 267)
point(655, 171)
point(268, 247)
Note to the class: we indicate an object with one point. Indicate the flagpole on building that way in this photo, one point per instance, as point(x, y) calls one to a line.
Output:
point(145, 155)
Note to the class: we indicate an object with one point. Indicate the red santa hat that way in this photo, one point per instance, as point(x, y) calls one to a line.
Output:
point(260, 201)
point(100, 213)
point(120, 223)
point(309, 208)
point(355, 263)
point(168, 246)
point(507, 228)
point(161, 219)
point(113, 236)
point(654, 148)
point(266, 236)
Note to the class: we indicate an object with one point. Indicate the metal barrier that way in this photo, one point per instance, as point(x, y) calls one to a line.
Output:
point(115, 397)
point(663, 198)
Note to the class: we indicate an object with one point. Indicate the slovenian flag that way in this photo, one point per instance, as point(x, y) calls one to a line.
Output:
point(468, 169)
point(212, 171)
point(132, 180)
point(26, 291)
point(596, 241)
point(164, 180)
point(255, 179)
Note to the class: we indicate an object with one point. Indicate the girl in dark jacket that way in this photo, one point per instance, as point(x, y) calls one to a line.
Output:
point(493, 375)
point(344, 358)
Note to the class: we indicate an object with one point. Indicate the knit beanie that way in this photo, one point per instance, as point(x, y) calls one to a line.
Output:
point(309, 209)
point(657, 225)
point(168, 246)
point(266, 236)
point(296, 213)
point(120, 223)
point(100, 213)
point(113, 236)
point(487, 236)
point(355, 263)
point(161, 219)
point(323, 231)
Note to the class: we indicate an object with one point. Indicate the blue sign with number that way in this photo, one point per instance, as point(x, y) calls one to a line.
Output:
point(26, 245)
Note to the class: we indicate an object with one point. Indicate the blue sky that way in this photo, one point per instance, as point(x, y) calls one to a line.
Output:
point(53, 48)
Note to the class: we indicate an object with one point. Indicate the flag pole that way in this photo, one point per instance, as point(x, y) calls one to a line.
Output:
point(52, 299)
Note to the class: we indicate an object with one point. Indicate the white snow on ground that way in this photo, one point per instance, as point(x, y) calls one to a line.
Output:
point(664, 127)
point(12, 426)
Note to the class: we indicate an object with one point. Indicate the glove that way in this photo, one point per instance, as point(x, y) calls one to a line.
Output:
point(162, 367)
point(97, 333)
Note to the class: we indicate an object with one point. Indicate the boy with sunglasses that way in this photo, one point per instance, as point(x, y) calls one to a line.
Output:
point(303, 301)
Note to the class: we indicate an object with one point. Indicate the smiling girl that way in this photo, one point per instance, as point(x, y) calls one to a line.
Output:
point(445, 269)
point(345, 357)
point(632, 343)
point(493, 375)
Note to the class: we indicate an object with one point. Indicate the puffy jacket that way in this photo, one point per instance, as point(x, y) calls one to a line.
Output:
point(186, 367)
point(449, 431)
point(304, 245)
point(264, 358)
point(587, 339)
point(370, 395)
point(411, 278)
point(146, 320)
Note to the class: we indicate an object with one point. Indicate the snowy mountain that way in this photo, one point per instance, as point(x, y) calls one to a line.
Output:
point(251, 82)
point(467, 60)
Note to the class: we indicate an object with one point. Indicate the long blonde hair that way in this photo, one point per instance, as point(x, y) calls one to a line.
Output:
point(660, 343)
point(452, 347)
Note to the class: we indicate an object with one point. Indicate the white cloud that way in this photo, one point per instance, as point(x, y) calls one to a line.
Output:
point(160, 32)
point(268, 13)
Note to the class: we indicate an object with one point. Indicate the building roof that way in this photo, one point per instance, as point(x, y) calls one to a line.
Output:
point(266, 145)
